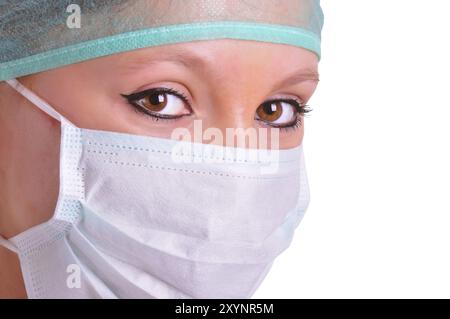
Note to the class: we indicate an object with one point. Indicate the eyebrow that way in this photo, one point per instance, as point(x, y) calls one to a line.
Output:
point(299, 76)
point(190, 59)
point(183, 58)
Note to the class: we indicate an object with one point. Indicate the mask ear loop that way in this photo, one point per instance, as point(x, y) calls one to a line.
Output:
point(33, 98)
point(8, 245)
point(46, 108)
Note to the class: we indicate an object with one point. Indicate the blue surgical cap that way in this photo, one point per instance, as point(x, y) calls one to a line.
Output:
point(38, 35)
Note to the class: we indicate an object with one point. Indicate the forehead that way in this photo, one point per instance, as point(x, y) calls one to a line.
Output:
point(221, 53)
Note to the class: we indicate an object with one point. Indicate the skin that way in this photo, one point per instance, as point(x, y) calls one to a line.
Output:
point(226, 82)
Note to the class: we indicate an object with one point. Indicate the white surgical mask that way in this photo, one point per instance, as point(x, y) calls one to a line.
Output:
point(130, 222)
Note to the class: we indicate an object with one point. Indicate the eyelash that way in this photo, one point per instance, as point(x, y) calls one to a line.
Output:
point(300, 108)
point(132, 98)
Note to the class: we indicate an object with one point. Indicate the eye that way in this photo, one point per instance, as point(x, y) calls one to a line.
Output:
point(280, 113)
point(160, 103)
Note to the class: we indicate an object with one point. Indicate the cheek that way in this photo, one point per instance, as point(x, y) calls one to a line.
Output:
point(77, 95)
point(66, 91)
point(292, 137)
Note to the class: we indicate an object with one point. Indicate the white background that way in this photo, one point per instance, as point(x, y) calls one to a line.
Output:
point(377, 152)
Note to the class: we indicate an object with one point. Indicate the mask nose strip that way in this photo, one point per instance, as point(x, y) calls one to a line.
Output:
point(33, 98)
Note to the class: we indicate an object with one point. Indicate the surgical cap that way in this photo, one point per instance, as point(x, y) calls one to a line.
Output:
point(38, 35)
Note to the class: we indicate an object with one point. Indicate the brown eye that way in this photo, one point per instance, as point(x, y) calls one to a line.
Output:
point(277, 113)
point(270, 112)
point(155, 102)
point(160, 102)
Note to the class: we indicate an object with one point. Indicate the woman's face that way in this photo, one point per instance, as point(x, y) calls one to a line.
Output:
point(153, 91)
point(223, 83)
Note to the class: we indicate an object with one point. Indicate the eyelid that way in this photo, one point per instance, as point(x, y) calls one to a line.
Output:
point(300, 107)
point(140, 95)
point(297, 103)
point(286, 96)
point(134, 98)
